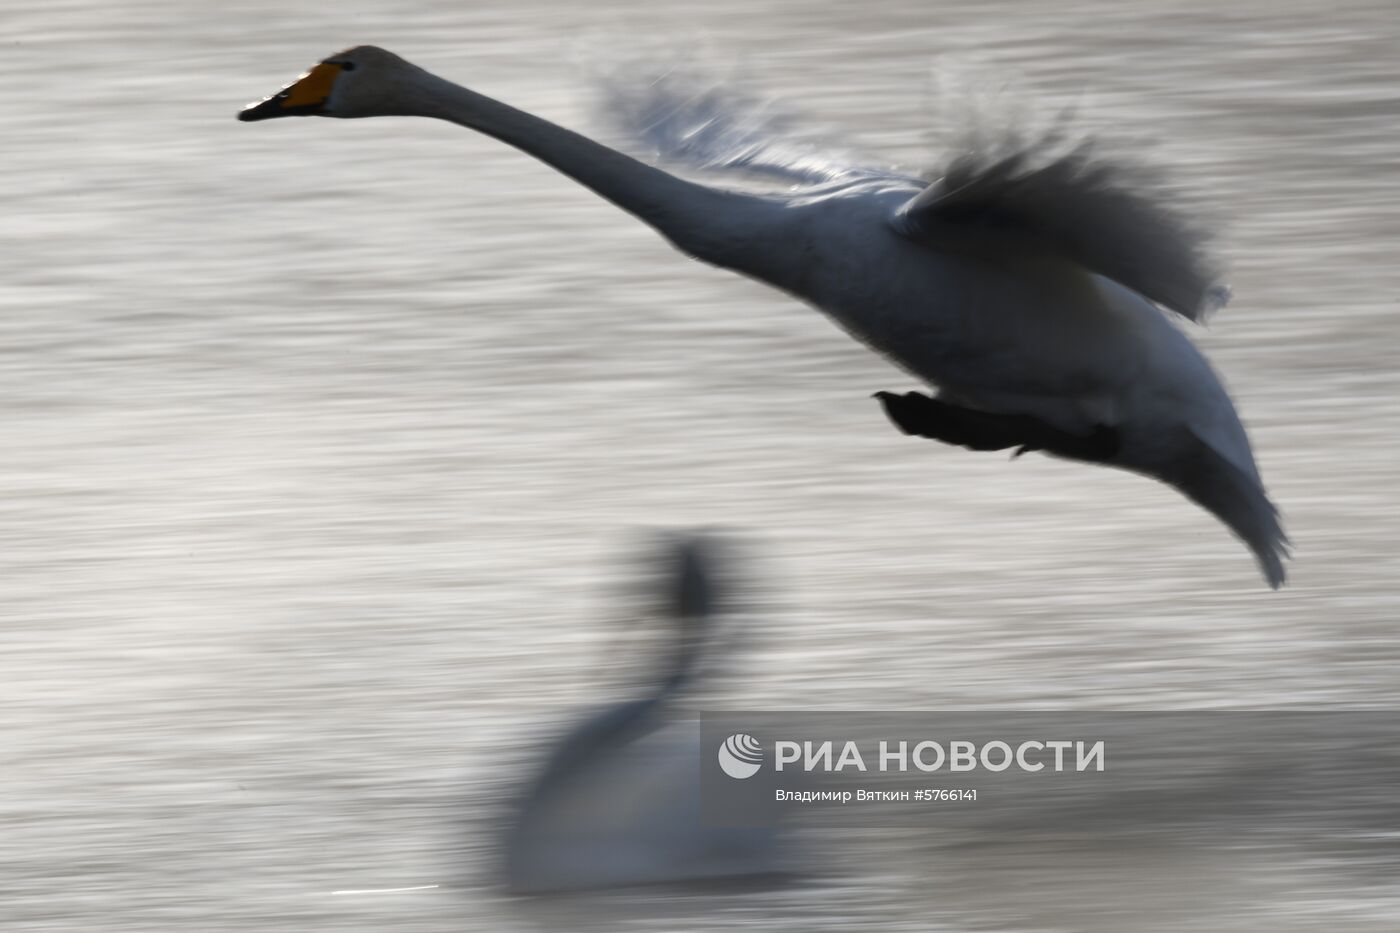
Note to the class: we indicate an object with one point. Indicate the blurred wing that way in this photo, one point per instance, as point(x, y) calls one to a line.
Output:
point(1103, 215)
point(687, 117)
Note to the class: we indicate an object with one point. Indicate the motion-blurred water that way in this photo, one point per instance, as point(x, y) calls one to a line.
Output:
point(324, 440)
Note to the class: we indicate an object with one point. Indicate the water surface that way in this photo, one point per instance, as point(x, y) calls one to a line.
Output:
point(325, 439)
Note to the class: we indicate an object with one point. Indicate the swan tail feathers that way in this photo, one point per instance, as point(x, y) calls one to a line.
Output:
point(1237, 499)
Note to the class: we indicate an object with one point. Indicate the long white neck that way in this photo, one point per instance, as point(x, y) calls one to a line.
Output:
point(726, 228)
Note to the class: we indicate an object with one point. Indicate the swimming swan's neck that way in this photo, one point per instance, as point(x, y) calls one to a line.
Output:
point(726, 228)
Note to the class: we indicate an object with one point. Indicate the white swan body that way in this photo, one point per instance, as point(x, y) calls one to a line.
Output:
point(629, 814)
point(1018, 291)
point(618, 802)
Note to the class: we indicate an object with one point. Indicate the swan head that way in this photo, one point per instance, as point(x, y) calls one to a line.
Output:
point(359, 82)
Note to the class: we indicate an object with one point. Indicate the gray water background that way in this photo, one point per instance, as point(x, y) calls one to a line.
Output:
point(326, 440)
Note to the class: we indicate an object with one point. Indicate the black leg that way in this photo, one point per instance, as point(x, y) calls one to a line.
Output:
point(920, 415)
point(917, 414)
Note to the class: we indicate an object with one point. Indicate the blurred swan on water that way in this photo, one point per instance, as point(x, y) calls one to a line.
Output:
point(1031, 287)
point(617, 802)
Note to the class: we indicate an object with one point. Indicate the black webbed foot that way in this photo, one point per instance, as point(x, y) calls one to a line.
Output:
point(918, 414)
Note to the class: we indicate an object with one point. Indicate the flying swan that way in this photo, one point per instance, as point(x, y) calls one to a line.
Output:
point(1030, 287)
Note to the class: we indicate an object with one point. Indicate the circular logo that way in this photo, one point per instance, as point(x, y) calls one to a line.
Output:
point(740, 756)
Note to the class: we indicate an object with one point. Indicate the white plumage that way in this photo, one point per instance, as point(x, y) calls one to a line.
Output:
point(617, 802)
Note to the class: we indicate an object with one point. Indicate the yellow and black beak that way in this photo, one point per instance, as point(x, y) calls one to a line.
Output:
point(304, 96)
